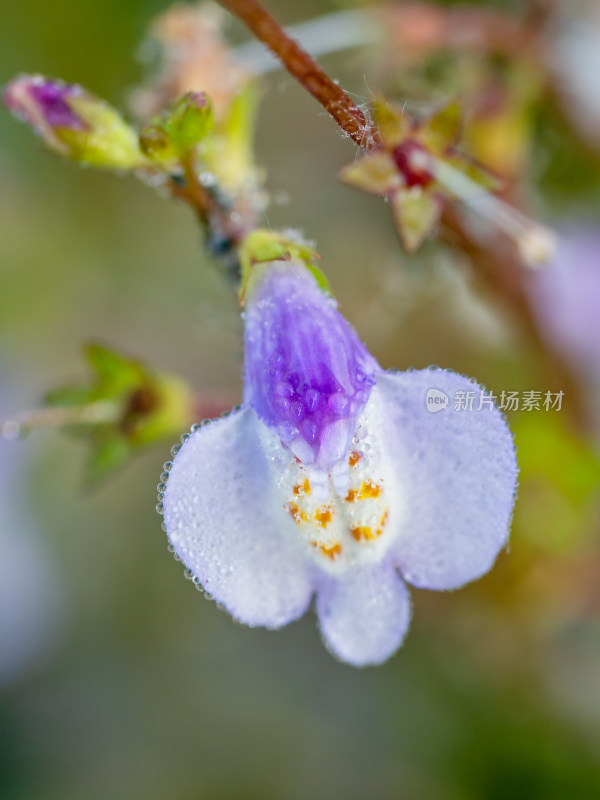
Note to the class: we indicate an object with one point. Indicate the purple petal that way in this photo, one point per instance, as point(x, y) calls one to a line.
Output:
point(307, 374)
point(364, 615)
point(457, 472)
point(230, 529)
point(44, 102)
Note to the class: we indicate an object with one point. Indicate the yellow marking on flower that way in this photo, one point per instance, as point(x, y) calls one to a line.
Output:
point(354, 458)
point(332, 551)
point(383, 521)
point(302, 489)
point(294, 511)
point(365, 533)
point(323, 516)
point(368, 491)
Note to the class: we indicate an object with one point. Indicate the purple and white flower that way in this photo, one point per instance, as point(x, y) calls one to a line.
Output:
point(333, 479)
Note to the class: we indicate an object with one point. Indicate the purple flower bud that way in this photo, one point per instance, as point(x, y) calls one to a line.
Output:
point(43, 103)
point(307, 374)
point(73, 122)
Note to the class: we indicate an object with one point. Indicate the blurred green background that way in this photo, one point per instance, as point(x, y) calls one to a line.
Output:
point(133, 686)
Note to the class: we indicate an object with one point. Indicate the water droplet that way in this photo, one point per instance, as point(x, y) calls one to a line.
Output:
point(296, 410)
point(312, 399)
point(338, 403)
point(160, 508)
point(167, 466)
point(310, 429)
point(287, 432)
point(175, 449)
point(284, 389)
point(207, 179)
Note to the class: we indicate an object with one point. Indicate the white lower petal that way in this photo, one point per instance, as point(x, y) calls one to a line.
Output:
point(456, 470)
point(364, 615)
point(225, 519)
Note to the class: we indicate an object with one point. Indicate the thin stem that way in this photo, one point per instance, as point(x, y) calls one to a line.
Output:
point(321, 36)
point(226, 224)
point(60, 416)
point(306, 71)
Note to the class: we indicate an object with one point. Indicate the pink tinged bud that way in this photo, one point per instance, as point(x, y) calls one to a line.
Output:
point(73, 122)
point(44, 104)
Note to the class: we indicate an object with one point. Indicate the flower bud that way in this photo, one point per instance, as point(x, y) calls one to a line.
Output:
point(73, 122)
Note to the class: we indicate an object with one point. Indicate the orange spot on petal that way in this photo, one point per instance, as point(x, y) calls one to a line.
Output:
point(362, 533)
point(323, 516)
point(294, 512)
point(354, 458)
point(369, 490)
point(331, 551)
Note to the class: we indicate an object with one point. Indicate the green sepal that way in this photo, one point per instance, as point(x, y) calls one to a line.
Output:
point(375, 173)
point(393, 124)
point(262, 246)
point(440, 131)
point(416, 213)
point(108, 142)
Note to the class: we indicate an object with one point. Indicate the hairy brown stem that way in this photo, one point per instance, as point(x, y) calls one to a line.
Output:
point(305, 69)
